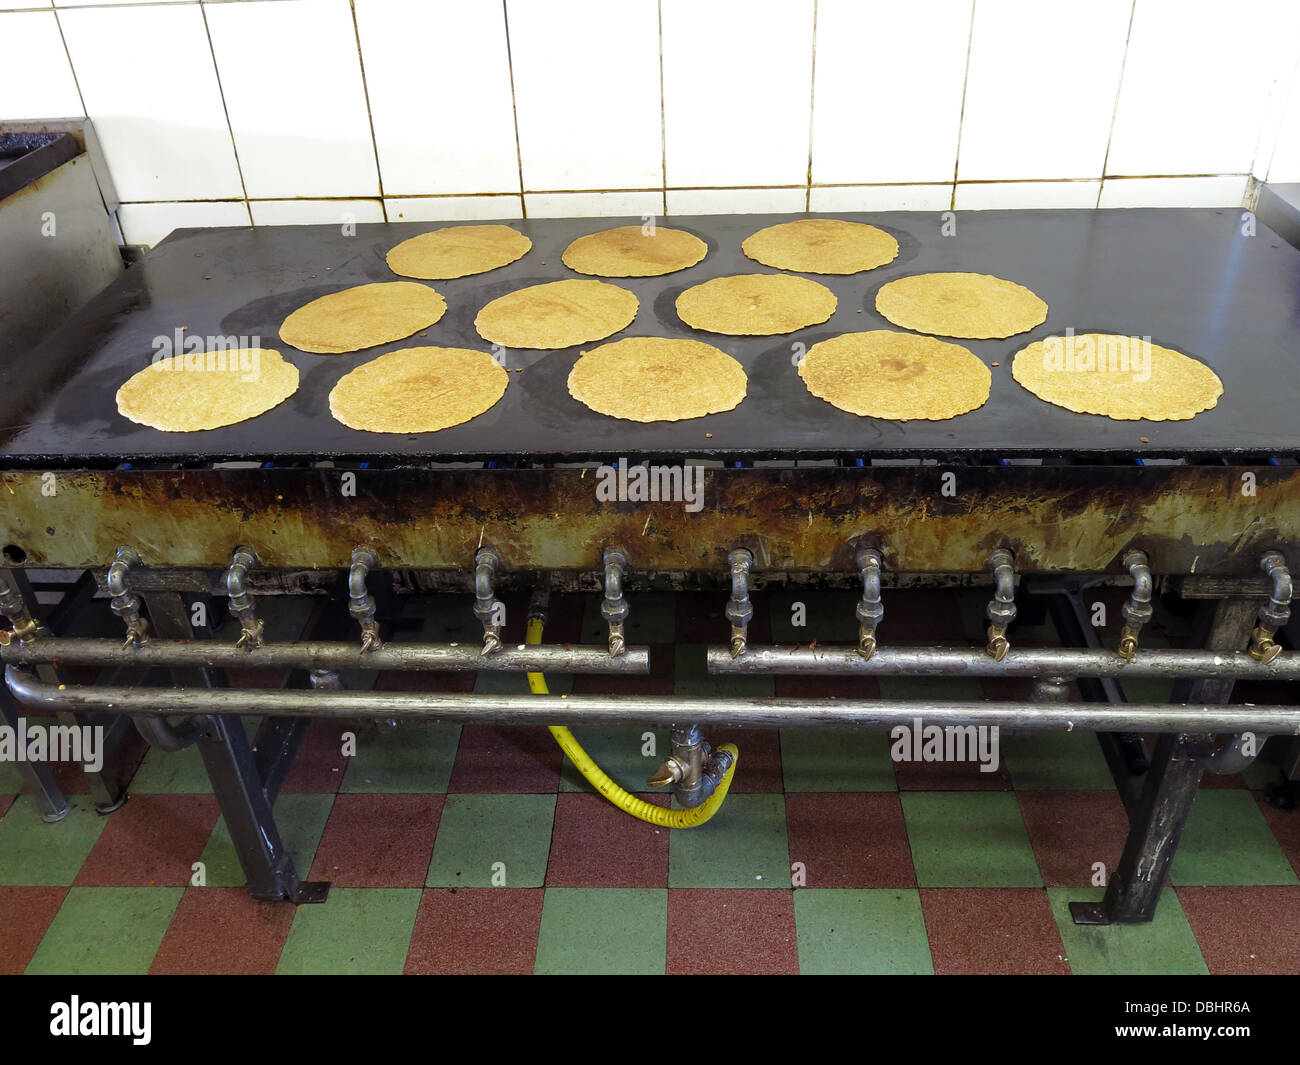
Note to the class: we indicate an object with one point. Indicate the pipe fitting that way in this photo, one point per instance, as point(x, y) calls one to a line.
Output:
point(487, 607)
point(241, 603)
point(125, 604)
point(13, 607)
point(1137, 610)
point(361, 604)
point(740, 611)
point(1275, 613)
point(693, 770)
point(870, 609)
point(1002, 607)
point(614, 608)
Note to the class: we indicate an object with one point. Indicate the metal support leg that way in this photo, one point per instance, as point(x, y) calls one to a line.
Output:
point(239, 775)
point(51, 801)
point(1156, 820)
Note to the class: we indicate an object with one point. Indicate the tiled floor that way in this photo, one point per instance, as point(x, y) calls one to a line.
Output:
point(479, 849)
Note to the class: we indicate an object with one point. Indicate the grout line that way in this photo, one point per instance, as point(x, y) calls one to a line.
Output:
point(663, 117)
point(514, 109)
point(1119, 88)
point(812, 92)
point(221, 92)
point(365, 92)
point(961, 117)
point(71, 67)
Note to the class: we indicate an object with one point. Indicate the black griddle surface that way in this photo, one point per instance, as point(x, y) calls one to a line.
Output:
point(1189, 279)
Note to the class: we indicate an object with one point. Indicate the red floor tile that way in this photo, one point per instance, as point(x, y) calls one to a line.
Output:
point(1285, 826)
point(721, 931)
point(25, 914)
point(850, 840)
point(1245, 929)
point(521, 760)
point(408, 680)
point(564, 618)
point(319, 765)
point(659, 681)
point(950, 776)
point(595, 844)
point(701, 618)
point(1070, 830)
point(5, 802)
point(152, 841)
point(922, 615)
point(992, 930)
point(378, 841)
point(811, 686)
point(224, 931)
point(482, 930)
point(759, 770)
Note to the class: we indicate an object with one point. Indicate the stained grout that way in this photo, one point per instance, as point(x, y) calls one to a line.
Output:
point(365, 91)
point(812, 91)
point(1119, 88)
point(230, 128)
point(514, 107)
point(961, 117)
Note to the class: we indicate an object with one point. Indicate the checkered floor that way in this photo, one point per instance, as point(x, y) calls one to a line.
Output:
point(910, 867)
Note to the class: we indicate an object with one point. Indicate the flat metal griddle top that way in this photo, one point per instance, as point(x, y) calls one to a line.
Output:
point(1189, 279)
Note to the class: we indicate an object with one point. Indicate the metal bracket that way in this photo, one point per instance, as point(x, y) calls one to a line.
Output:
point(1002, 607)
point(1275, 613)
point(487, 608)
point(740, 611)
point(361, 604)
point(614, 608)
point(871, 607)
point(1137, 610)
point(241, 603)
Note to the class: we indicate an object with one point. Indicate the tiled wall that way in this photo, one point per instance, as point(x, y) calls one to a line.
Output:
point(282, 111)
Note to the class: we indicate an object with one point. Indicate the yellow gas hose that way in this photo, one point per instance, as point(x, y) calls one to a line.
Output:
point(598, 779)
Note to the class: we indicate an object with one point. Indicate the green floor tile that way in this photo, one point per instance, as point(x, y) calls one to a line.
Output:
point(827, 616)
point(603, 931)
point(861, 932)
point(517, 683)
point(416, 757)
point(357, 931)
point(1056, 761)
point(179, 772)
point(1227, 842)
point(476, 833)
point(838, 760)
point(969, 839)
point(37, 854)
point(111, 931)
point(1266, 770)
point(653, 619)
point(1164, 947)
point(11, 781)
point(944, 689)
point(618, 750)
point(743, 846)
point(300, 817)
point(691, 676)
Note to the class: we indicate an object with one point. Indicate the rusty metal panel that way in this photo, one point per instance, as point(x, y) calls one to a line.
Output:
point(1189, 519)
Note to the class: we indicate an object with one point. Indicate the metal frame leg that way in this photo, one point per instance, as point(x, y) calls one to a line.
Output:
point(236, 774)
point(1157, 817)
point(53, 804)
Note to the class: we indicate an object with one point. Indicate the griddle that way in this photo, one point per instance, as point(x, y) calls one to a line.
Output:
point(1189, 279)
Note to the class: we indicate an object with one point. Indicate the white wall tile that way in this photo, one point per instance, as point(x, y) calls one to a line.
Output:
point(444, 126)
point(587, 93)
point(314, 212)
point(35, 77)
point(148, 223)
point(160, 121)
point(107, 3)
point(1222, 191)
point(452, 208)
point(882, 198)
point(27, 5)
point(737, 91)
point(1040, 93)
point(292, 82)
point(887, 90)
point(593, 204)
point(1004, 195)
point(1195, 85)
point(735, 201)
point(1284, 162)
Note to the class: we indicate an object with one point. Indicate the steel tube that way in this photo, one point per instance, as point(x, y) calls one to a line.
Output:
point(596, 709)
point(541, 658)
point(1019, 662)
